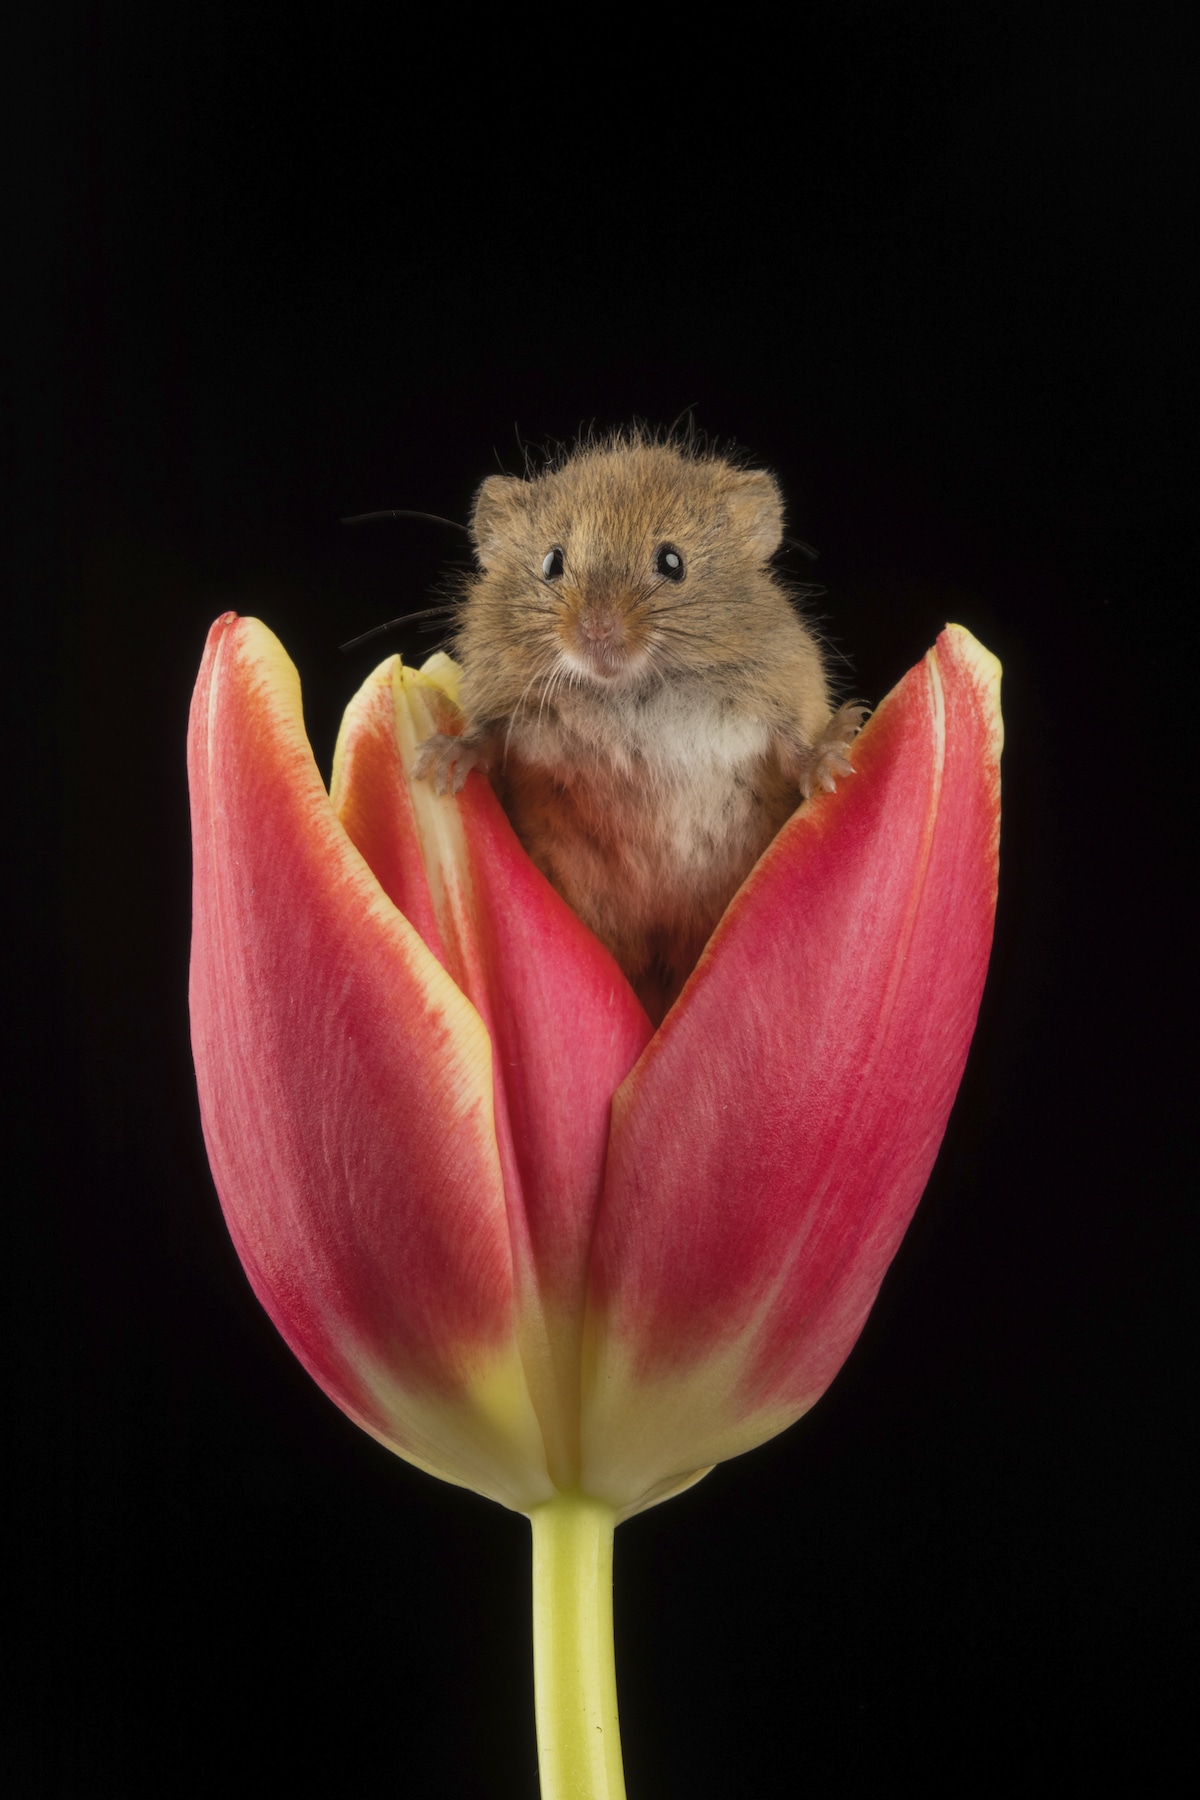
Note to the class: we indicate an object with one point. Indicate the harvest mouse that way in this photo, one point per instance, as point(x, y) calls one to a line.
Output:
point(645, 698)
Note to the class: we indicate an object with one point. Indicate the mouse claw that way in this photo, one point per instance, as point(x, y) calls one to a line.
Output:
point(829, 756)
point(446, 761)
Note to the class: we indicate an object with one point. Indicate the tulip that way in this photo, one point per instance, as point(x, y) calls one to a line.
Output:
point(529, 1244)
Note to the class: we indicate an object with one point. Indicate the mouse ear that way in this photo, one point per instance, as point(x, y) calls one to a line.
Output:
point(756, 509)
point(497, 504)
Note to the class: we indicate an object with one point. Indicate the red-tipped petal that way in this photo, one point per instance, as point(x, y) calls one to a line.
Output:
point(770, 1147)
point(371, 796)
point(567, 1028)
point(565, 1025)
point(346, 1094)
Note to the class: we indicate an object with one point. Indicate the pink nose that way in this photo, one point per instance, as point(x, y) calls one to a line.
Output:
point(597, 627)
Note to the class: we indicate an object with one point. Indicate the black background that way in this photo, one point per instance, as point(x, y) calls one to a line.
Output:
point(926, 262)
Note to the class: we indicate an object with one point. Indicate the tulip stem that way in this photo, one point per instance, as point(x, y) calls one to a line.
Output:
point(574, 1673)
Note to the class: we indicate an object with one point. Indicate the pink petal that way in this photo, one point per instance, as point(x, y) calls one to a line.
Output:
point(370, 794)
point(346, 1094)
point(565, 1025)
point(770, 1147)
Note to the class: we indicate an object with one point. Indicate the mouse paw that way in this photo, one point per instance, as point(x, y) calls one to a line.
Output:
point(447, 761)
point(829, 756)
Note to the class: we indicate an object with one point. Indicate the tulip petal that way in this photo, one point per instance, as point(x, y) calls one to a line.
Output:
point(771, 1145)
point(565, 1025)
point(346, 1094)
point(370, 794)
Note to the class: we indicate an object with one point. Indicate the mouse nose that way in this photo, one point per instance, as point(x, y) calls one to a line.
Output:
point(598, 627)
point(599, 639)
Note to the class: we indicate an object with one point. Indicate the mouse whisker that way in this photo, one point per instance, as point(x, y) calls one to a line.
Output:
point(402, 512)
point(681, 632)
point(648, 593)
point(427, 612)
point(557, 674)
point(549, 585)
point(676, 630)
point(518, 709)
point(656, 612)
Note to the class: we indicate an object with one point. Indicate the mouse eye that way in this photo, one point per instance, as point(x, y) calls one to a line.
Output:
point(669, 562)
point(552, 563)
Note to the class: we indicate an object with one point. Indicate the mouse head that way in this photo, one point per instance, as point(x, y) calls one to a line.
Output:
point(630, 559)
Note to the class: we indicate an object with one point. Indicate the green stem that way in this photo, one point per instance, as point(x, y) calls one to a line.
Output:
point(574, 1675)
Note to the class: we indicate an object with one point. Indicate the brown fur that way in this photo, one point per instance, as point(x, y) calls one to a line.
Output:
point(647, 736)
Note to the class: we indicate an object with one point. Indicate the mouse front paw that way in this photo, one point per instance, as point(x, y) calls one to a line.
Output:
point(447, 761)
point(829, 756)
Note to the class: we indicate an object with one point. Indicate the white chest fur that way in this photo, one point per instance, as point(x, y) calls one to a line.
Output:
point(669, 734)
point(671, 770)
